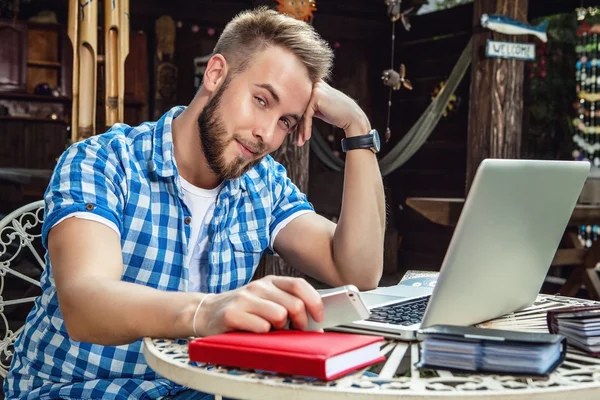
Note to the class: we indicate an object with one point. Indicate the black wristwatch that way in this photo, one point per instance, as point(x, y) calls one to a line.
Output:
point(368, 141)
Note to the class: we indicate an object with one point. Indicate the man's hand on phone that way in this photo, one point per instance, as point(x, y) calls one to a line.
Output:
point(260, 306)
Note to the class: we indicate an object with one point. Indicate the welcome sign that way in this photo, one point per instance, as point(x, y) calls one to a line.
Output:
point(511, 50)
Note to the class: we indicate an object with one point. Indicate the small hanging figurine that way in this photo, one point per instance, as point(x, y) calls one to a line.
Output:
point(393, 9)
point(396, 80)
point(510, 26)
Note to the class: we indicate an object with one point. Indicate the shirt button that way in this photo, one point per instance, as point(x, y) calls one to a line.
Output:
point(187, 220)
point(89, 206)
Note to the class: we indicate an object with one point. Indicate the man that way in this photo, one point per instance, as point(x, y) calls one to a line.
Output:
point(156, 230)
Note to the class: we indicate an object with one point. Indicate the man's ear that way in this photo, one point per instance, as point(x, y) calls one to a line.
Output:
point(215, 73)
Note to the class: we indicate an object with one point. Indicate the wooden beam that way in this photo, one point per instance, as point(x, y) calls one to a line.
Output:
point(496, 99)
point(446, 212)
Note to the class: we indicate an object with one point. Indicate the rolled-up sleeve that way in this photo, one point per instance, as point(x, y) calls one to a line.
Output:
point(289, 202)
point(89, 177)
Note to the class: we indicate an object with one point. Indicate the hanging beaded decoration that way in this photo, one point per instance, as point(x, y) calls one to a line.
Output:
point(587, 130)
point(588, 234)
point(586, 122)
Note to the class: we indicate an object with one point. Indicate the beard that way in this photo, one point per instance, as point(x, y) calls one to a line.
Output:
point(215, 141)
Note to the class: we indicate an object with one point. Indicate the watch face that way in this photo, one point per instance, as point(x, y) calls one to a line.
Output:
point(376, 141)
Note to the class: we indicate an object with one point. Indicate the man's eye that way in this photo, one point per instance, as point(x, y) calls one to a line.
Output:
point(286, 123)
point(261, 101)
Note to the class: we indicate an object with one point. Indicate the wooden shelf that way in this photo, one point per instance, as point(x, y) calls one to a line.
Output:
point(34, 97)
point(43, 64)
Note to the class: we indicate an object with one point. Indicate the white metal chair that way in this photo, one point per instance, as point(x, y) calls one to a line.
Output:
point(19, 231)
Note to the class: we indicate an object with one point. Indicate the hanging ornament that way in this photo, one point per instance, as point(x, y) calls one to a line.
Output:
point(393, 9)
point(299, 9)
point(396, 79)
point(394, 13)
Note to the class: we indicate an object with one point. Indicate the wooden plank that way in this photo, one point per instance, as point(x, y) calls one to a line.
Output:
point(566, 257)
point(445, 211)
point(439, 211)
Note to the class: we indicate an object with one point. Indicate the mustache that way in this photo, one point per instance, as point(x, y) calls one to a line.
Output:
point(256, 148)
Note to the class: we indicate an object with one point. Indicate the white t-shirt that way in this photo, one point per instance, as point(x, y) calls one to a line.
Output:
point(201, 203)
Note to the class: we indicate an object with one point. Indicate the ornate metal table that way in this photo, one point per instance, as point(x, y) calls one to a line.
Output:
point(577, 378)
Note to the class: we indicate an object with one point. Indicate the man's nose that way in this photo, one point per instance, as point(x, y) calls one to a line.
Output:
point(264, 133)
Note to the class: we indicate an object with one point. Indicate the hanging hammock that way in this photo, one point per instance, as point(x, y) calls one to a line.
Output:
point(418, 133)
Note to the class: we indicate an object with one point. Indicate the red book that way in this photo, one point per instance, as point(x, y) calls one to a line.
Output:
point(322, 355)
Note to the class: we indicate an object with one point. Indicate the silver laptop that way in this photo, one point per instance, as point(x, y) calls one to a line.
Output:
point(507, 235)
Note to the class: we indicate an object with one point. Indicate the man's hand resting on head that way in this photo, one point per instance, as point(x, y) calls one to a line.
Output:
point(259, 306)
point(335, 108)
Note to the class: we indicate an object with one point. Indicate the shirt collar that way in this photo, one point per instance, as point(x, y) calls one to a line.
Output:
point(162, 144)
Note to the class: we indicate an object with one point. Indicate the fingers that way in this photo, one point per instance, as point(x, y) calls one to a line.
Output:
point(301, 289)
point(248, 311)
point(274, 312)
point(251, 323)
point(289, 304)
point(305, 128)
point(269, 302)
point(294, 306)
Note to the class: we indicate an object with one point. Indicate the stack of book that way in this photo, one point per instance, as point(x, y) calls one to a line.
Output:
point(580, 325)
point(459, 348)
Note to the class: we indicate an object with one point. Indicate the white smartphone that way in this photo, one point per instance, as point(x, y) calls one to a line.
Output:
point(341, 305)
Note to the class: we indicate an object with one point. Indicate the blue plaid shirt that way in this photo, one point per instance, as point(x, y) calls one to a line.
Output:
point(110, 175)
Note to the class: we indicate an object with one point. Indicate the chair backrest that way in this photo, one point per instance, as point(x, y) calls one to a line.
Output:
point(20, 265)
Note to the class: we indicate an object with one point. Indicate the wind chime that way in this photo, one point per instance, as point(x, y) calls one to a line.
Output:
point(395, 80)
point(83, 33)
point(587, 121)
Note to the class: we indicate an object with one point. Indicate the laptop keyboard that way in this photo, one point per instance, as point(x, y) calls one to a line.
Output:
point(405, 313)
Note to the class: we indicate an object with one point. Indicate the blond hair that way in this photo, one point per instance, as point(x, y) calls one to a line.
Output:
point(252, 31)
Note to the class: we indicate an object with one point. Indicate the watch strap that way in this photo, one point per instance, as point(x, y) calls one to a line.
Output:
point(358, 142)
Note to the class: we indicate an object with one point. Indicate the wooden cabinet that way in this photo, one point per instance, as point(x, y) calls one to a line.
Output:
point(33, 54)
point(33, 126)
point(48, 60)
point(13, 56)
